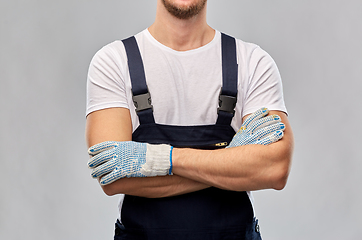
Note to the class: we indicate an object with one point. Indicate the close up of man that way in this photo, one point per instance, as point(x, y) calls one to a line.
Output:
point(183, 122)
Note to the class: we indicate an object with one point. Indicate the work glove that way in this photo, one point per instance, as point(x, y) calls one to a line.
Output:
point(258, 128)
point(116, 160)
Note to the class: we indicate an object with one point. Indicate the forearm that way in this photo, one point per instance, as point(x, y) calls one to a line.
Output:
point(154, 187)
point(114, 124)
point(240, 168)
point(243, 168)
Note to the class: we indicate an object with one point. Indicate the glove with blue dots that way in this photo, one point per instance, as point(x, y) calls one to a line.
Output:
point(258, 128)
point(115, 160)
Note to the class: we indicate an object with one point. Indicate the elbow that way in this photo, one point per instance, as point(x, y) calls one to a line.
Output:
point(280, 176)
point(281, 169)
point(109, 190)
point(280, 182)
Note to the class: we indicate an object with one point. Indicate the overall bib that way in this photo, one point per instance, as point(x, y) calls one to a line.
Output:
point(203, 215)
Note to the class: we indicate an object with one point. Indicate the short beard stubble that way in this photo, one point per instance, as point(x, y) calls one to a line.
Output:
point(184, 12)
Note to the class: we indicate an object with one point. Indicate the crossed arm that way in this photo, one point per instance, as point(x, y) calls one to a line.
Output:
point(243, 168)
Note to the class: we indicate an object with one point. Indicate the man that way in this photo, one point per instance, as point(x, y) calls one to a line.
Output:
point(158, 107)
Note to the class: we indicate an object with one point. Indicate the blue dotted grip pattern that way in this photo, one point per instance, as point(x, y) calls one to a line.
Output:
point(259, 128)
point(116, 160)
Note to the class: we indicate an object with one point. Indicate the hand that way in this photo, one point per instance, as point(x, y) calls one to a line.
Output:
point(259, 128)
point(115, 160)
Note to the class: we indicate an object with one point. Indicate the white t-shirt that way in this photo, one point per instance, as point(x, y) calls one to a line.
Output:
point(184, 86)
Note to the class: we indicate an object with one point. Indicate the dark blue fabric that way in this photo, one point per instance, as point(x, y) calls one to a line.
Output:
point(230, 66)
point(229, 75)
point(202, 137)
point(146, 116)
point(224, 118)
point(137, 74)
point(135, 66)
point(249, 232)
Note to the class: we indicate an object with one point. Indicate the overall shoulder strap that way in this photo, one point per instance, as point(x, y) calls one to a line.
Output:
point(229, 90)
point(141, 95)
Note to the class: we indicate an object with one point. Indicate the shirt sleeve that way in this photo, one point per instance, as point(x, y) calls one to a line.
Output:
point(264, 85)
point(105, 81)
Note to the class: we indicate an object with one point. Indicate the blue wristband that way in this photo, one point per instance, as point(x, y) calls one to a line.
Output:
point(169, 173)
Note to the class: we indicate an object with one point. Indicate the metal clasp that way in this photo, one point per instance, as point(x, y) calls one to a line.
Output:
point(227, 104)
point(142, 102)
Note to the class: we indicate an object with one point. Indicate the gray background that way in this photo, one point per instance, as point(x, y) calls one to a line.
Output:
point(46, 46)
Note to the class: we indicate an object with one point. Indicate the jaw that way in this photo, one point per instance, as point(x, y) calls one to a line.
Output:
point(184, 9)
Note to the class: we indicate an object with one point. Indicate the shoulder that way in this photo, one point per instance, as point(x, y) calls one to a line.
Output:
point(111, 58)
point(251, 52)
point(253, 59)
point(115, 51)
point(110, 51)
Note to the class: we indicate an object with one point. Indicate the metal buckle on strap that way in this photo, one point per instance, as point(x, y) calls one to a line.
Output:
point(142, 102)
point(227, 104)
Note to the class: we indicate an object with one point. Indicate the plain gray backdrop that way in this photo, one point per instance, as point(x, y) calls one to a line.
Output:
point(46, 47)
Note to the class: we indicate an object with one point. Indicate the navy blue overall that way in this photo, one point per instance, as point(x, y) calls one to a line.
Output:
point(206, 214)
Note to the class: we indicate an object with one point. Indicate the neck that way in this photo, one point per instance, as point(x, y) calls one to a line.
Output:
point(181, 34)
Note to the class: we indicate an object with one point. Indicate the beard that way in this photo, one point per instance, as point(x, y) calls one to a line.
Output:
point(186, 12)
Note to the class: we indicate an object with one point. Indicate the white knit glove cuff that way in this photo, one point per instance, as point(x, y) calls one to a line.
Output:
point(158, 160)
